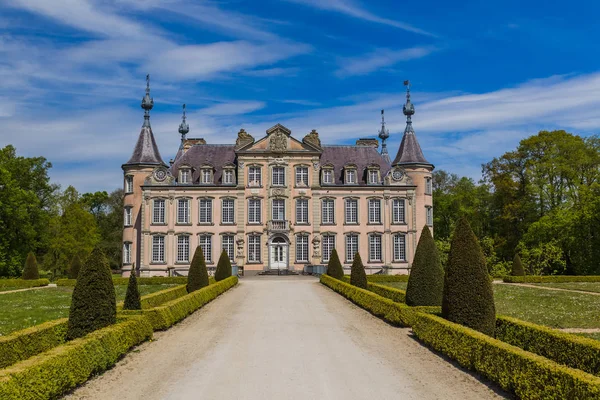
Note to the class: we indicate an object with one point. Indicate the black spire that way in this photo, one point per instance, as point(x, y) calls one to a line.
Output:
point(383, 135)
point(184, 128)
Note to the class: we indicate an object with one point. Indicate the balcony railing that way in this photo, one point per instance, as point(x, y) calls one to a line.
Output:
point(278, 226)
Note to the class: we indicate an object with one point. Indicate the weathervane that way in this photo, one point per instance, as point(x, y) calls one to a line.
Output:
point(408, 109)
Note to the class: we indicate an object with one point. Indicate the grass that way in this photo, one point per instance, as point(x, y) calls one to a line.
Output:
point(590, 335)
point(24, 309)
point(397, 285)
point(583, 286)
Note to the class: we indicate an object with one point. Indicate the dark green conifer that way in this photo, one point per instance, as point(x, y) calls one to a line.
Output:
point(74, 267)
point(426, 280)
point(517, 267)
point(334, 267)
point(132, 297)
point(358, 277)
point(223, 267)
point(468, 296)
point(93, 304)
point(197, 275)
point(30, 271)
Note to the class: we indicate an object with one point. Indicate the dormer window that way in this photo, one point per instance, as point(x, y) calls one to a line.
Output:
point(327, 176)
point(185, 176)
point(302, 176)
point(373, 176)
point(254, 176)
point(228, 177)
point(351, 178)
point(206, 176)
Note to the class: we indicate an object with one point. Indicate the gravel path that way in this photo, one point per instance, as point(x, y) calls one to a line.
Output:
point(548, 288)
point(283, 338)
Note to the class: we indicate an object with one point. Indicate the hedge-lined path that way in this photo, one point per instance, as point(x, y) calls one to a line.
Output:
point(580, 330)
point(26, 289)
point(283, 338)
point(547, 288)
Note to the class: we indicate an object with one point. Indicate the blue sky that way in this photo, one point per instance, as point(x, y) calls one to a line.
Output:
point(484, 75)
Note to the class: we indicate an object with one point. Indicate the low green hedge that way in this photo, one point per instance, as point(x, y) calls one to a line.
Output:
point(154, 280)
point(397, 295)
point(528, 375)
point(23, 283)
point(55, 372)
point(158, 298)
point(564, 348)
point(383, 278)
point(551, 279)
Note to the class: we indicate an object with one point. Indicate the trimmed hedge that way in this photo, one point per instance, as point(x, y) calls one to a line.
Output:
point(383, 278)
point(154, 280)
point(397, 295)
point(22, 283)
point(158, 298)
point(55, 372)
point(551, 279)
point(564, 348)
point(528, 375)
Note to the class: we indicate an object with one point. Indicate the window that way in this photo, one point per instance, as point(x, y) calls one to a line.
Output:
point(351, 211)
point(374, 211)
point(126, 253)
point(328, 176)
point(301, 176)
point(253, 248)
point(278, 210)
point(302, 248)
point(127, 217)
point(228, 177)
point(399, 247)
point(158, 249)
point(428, 186)
point(398, 211)
point(429, 215)
point(129, 184)
point(205, 214)
point(302, 211)
point(184, 176)
point(351, 176)
point(206, 176)
point(227, 212)
point(183, 211)
point(158, 212)
point(183, 248)
point(205, 243)
point(254, 211)
point(254, 176)
point(328, 244)
point(373, 176)
point(278, 176)
point(327, 211)
point(375, 248)
point(227, 245)
point(351, 247)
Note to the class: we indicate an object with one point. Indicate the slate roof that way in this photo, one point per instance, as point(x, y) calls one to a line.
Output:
point(146, 150)
point(361, 156)
point(217, 155)
point(410, 152)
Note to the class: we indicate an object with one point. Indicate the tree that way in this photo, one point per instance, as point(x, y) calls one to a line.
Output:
point(223, 270)
point(132, 297)
point(31, 268)
point(334, 267)
point(468, 298)
point(358, 277)
point(93, 304)
point(517, 267)
point(426, 280)
point(74, 267)
point(197, 275)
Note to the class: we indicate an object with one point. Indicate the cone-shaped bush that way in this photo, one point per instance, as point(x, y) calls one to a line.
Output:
point(132, 297)
point(426, 280)
point(93, 305)
point(468, 297)
point(197, 275)
point(358, 277)
point(74, 267)
point(334, 267)
point(30, 271)
point(223, 267)
point(517, 267)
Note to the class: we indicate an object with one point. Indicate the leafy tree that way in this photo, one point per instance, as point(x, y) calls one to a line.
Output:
point(517, 267)
point(93, 305)
point(223, 270)
point(132, 297)
point(74, 267)
point(31, 268)
point(197, 275)
point(334, 266)
point(468, 298)
point(426, 280)
point(358, 277)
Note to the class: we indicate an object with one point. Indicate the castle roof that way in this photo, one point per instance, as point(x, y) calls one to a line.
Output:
point(215, 155)
point(360, 156)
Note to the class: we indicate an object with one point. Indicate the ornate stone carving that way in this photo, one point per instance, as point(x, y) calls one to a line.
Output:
point(278, 192)
point(241, 164)
point(316, 165)
point(316, 242)
point(240, 247)
point(160, 176)
point(243, 138)
point(312, 138)
point(279, 161)
point(278, 142)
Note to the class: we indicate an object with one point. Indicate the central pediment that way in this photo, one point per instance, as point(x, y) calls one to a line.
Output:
point(279, 128)
point(279, 140)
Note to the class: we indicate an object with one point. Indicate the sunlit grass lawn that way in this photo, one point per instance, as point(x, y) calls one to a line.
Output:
point(24, 309)
point(584, 286)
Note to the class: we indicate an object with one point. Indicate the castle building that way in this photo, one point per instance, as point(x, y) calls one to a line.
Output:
point(276, 202)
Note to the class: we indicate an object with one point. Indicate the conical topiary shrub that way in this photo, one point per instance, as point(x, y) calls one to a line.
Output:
point(358, 277)
point(517, 267)
point(468, 297)
point(93, 304)
point(223, 267)
point(334, 267)
point(426, 280)
point(30, 271)
point(197, 275)
point(74, 267)
point(132, 297)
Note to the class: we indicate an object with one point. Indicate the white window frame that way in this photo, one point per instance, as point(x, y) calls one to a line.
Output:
point(399, 249)
point(254, 211)
point(328, 178)
point(128, 184)
point(127, 253)
point(351, 172)
point(375, 249)
point(158, 249)
point(183, 249)
point(278, 176)
point(328, 212)
point(278, 210)
point(254, 248)
point(399, 211)
point(351, 211)
point(228, 244)
point(301, 211)
point(183, 211)
point(302, 248)
point(351, 246)
point(373, 176)
point(254, 176)
point(185, 175)
point(205, 211)
point(159, 212)
point(429, 215)
point(228, 210)
point(128, 216)
point(205, 243)
point(228, 176)
point(327, 246)
point(374, 211)
point(428, 185)
point(206, 176)
point(302, 176)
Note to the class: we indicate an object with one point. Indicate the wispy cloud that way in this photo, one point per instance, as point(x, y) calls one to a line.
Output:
point(380, 58)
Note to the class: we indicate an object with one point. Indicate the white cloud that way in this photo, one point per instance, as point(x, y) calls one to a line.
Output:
point(233, 108)
point(380, 58)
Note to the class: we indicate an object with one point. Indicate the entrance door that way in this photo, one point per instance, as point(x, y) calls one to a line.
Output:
point(278, 254)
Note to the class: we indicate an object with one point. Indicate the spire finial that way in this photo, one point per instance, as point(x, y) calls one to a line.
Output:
point(383, 135)
point(184, 128)
point(147, 102)
point(408, 109)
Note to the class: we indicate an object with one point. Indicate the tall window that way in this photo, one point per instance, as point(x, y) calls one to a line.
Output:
point(301, 176)
point(129, 184)
point(205, 243)
point(278, 176)
point(254, 248)
point(205, 214)
point(206, 176)
point(302, 248)
point(429, 215)
point(227, 245)
point(278, 210)
point(302, 211)
point(428, 186)
point(183, 248)
point(375, 248)
point(399, 247)
point(328, 176)
point(158, 212)
point(183, 211)
point(127, 217)
point(398, 211)
point(158, 249)
point(185, 176)
point(254, 211)
point(327, 211)
point(351, 176)
point(254, 178)
point(373, 176)
point(351, 247)
point(374, 211)
point(227, 212)
point(126, 253)
point(228, 177)
point(351, 211)
point(327, 244)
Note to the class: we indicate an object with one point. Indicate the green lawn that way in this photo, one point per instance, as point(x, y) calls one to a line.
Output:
point(590, 335)
point(24, 309)
point(397, 285)
point(584, 286)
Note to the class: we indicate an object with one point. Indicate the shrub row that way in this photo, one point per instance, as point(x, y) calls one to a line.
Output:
point(397, 295)
point(387, 278)
point(158, 298)
point(564, 348)
point(551, 279)
point(22, 283)
point(526, 374)
point(154, 280)
point(51, 374)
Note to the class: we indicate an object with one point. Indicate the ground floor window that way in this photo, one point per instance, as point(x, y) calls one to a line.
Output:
point(328, 244)
point(228, 246)
point(183, 248)
point(254, 248)
point(375, 248)
point(399, 247)
point(351, 247)
point(302, 248)
point(158, 249)
point(205, 243)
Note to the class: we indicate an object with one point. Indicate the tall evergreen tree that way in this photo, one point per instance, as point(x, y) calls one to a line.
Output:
point(197, 275)
point(358, 277)
point(93, 304)
point(74, 267)
point(517, 267)
point(468, 297)
point(132, 297)
point(223, 267)
point(334, 267)
point(31, 268)
point(426, 280)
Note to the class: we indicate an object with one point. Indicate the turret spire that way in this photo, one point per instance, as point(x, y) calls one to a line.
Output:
point(408, 110)
point(147, 102)
point(184, 128)
point(383, 135)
